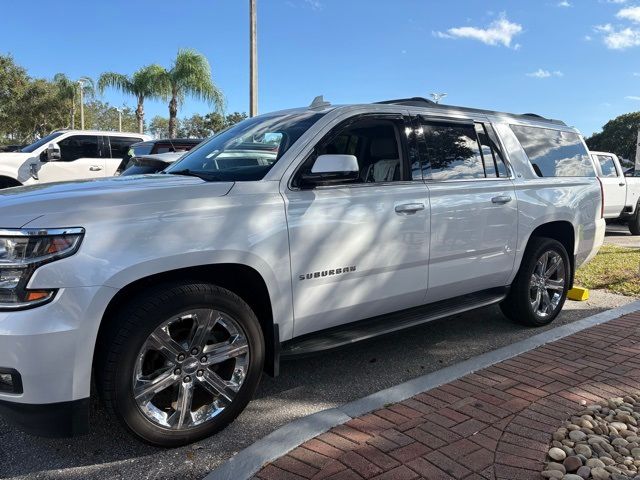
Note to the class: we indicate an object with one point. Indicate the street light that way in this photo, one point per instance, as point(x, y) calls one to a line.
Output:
point(438, 96)
point(253, 59)
point(81, 83)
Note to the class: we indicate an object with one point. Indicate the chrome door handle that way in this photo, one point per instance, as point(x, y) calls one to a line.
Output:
point(95, 168)
point(501, 199)
point(409, 208)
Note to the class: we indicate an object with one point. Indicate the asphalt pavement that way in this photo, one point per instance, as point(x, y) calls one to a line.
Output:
point(305, 386)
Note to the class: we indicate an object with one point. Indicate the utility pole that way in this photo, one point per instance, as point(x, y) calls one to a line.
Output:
point(81, 83)
point(119, 119)
point(438, 96)
point(253, 60)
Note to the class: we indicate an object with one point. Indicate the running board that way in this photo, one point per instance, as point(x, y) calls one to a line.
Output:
point(384, 324)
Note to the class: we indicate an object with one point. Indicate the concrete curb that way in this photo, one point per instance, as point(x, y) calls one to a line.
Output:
point(278, 443)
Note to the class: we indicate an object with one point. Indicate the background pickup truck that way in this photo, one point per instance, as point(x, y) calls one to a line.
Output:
point(621, 193)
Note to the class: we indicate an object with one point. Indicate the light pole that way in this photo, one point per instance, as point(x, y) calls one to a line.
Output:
point(253, 59)
point(81, 83)
point(119, 110)
point(438, 96)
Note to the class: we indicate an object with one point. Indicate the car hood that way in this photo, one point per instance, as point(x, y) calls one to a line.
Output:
point(14, 157)
point(21, 205)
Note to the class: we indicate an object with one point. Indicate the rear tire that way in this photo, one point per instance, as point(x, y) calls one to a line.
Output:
point(180, 362)
point(634, 222)
point(539, 290)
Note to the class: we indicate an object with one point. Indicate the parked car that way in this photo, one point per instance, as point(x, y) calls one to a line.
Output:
point(66, 155)
point(146, 164)
point(153, 147)
point(288, 234)
point(11, 148)
point(621, 191)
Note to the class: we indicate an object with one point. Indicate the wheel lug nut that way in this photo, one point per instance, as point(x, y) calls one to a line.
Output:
point(194, 351)
point(181, 357)
point(177, 371)
point(186, 379)
point(203, 359)
point(200, 373)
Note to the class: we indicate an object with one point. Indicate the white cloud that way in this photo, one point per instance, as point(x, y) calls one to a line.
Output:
point(632, 97)
point(587, 38)
point(630, 13)
point(499, 32)
point(541, 73)
point(564, 4)
point(620, 38)
point(314, 4)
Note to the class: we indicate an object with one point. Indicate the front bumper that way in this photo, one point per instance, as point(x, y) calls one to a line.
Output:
point(51, 347)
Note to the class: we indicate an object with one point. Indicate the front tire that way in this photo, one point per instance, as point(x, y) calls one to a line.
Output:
point(634, 221)
point(180, 362)
point(539, 290)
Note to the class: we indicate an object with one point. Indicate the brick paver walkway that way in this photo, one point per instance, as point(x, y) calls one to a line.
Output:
point(495, 424)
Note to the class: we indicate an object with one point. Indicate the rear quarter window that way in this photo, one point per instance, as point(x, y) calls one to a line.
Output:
point(554, 153)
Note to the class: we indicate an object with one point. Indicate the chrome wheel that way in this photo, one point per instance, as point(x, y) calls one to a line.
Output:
point(190, 369)
point(546, 287)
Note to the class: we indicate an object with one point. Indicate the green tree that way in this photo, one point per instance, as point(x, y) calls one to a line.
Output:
point(13, 83)
point(145, 83)
point(618, 136)
point(235, 117)
point(103, 116)
point(68, 90)
point(159, 127)
point(190, 75)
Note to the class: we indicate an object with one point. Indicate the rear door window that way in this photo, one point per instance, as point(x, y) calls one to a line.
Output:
point(452, 151)
point(120, 145)
point(554, 153)
point(607, 165)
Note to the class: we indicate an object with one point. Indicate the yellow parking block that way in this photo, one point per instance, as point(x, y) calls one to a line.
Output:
point(578, 294)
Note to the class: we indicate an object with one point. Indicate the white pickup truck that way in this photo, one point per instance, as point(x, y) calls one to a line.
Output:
point(67, 155)
point(621, 193)
point(289, 233)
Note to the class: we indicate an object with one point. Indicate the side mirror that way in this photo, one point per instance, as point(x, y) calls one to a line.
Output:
point(331, 169)
point(52, 153)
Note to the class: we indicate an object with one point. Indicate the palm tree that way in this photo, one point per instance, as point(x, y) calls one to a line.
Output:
point(190, 75)
point(143, 84)
point(67, 90)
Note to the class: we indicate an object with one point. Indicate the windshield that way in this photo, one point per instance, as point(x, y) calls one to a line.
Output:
point(248, 150)
point(42, 141)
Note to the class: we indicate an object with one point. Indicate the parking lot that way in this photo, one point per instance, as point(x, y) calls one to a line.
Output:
point(305, 386)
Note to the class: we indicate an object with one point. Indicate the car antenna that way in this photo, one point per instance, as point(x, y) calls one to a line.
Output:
point(319, 103)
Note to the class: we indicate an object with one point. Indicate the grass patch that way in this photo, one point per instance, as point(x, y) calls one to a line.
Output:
point(616, 269)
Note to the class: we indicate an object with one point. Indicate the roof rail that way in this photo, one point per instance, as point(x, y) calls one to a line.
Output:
point(423, 102)
point(412, 102)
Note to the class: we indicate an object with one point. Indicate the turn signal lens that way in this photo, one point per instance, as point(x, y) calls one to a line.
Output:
point(37, 295)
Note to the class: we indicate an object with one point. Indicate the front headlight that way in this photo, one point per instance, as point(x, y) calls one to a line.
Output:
point(21, 252)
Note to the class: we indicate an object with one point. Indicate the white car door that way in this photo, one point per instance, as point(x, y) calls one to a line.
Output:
point(80, 158)
point(359, 249)
point(474, 214)
point(613, 184)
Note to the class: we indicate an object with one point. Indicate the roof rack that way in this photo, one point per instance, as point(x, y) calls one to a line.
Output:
point(411, 102)
point(423, 102)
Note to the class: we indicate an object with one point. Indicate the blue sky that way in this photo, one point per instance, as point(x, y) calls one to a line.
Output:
point(577, 60)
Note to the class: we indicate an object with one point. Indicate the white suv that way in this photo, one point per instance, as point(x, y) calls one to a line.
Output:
point(289, 233)
point(67, 155)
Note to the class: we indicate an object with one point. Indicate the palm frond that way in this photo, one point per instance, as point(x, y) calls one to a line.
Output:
point(115, 80)
point(191, 75)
